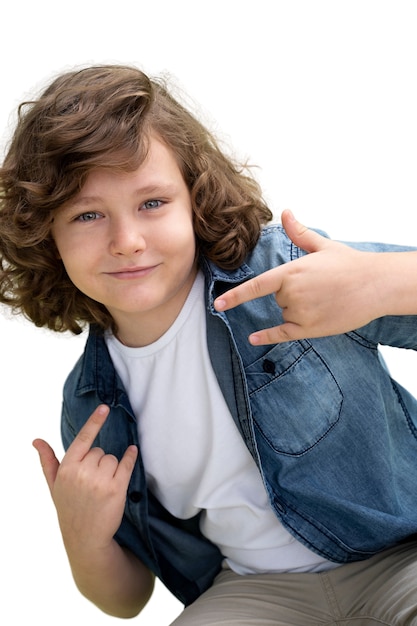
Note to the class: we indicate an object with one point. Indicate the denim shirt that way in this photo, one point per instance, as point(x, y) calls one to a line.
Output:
point(334, 437)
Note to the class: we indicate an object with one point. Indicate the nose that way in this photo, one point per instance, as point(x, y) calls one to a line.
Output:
point(126, 237)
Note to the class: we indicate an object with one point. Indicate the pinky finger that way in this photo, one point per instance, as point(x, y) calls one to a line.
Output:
point(127, 462)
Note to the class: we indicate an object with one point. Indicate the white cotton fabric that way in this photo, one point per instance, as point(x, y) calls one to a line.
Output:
point(194, 457)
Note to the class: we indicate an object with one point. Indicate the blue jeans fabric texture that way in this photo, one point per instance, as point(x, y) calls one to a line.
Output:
point(334, 437)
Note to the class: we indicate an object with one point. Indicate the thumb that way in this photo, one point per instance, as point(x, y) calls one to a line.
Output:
point(302, 236)
point(49, 462)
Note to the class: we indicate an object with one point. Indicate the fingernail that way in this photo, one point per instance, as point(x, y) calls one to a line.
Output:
point(220, 304)
point(254, 339)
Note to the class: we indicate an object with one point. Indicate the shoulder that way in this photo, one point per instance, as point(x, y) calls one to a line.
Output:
point(273, 248)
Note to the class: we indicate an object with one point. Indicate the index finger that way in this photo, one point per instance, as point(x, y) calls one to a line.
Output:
point(262, 285)
point(87, 434)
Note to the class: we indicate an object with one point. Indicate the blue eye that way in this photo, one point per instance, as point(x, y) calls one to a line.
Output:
point(89, 216)
point(151, 204)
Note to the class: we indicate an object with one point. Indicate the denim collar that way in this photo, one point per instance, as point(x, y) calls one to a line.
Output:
point(98, 373)
point(215, 276)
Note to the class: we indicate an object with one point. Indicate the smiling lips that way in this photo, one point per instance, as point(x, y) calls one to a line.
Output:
point(129, 273)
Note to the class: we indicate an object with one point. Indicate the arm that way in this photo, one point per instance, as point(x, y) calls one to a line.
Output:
point(333, 290)
point(89, 489)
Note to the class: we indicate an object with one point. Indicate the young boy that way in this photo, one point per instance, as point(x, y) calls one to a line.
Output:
point(262, 484)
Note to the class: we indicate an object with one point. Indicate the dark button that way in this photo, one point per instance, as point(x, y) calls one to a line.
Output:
point(269, 366)
point(135, 496)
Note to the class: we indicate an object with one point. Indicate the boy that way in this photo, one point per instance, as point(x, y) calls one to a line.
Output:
point(261, 484)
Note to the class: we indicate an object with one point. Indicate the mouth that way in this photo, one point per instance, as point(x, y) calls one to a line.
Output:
point(130, 273)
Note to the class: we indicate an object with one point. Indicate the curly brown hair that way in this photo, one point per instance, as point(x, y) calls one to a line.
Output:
point(102, 117)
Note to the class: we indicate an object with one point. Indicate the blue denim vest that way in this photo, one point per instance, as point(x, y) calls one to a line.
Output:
point(334, 437)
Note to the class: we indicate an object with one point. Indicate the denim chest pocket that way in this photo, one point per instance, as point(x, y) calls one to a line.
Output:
point(295, 398)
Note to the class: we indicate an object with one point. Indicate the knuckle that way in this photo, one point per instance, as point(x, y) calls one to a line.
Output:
point(285, 334)
point(256, 288)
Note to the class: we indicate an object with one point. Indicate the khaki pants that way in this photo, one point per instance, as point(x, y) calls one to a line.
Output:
point(380, 590)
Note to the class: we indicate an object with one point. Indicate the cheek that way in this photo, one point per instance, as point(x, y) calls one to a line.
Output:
point(74, 251)
point(177, 238)
point(62, 246)
point(76, 277)
point(186, 250)
point(76, 263)
point(186, 234)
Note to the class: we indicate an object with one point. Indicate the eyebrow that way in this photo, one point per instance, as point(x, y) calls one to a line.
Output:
point(163, 189)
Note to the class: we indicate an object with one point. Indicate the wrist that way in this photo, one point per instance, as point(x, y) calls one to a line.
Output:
point(396, 283)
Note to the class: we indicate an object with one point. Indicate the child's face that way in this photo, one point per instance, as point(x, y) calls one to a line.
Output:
point(127, 241)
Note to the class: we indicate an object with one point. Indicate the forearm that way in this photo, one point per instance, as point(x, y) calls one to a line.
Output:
point(113, 579)
point(396, 284)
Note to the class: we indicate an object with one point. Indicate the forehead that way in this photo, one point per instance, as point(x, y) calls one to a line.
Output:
point(158, 175)
point(159, 168)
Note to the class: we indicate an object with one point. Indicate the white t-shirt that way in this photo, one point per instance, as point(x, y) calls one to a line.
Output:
point(194, 457)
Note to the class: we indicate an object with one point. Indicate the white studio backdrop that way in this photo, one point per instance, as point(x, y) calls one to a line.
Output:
point(321, 95)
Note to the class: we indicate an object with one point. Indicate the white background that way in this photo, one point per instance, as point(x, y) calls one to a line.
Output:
point(321, 95)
